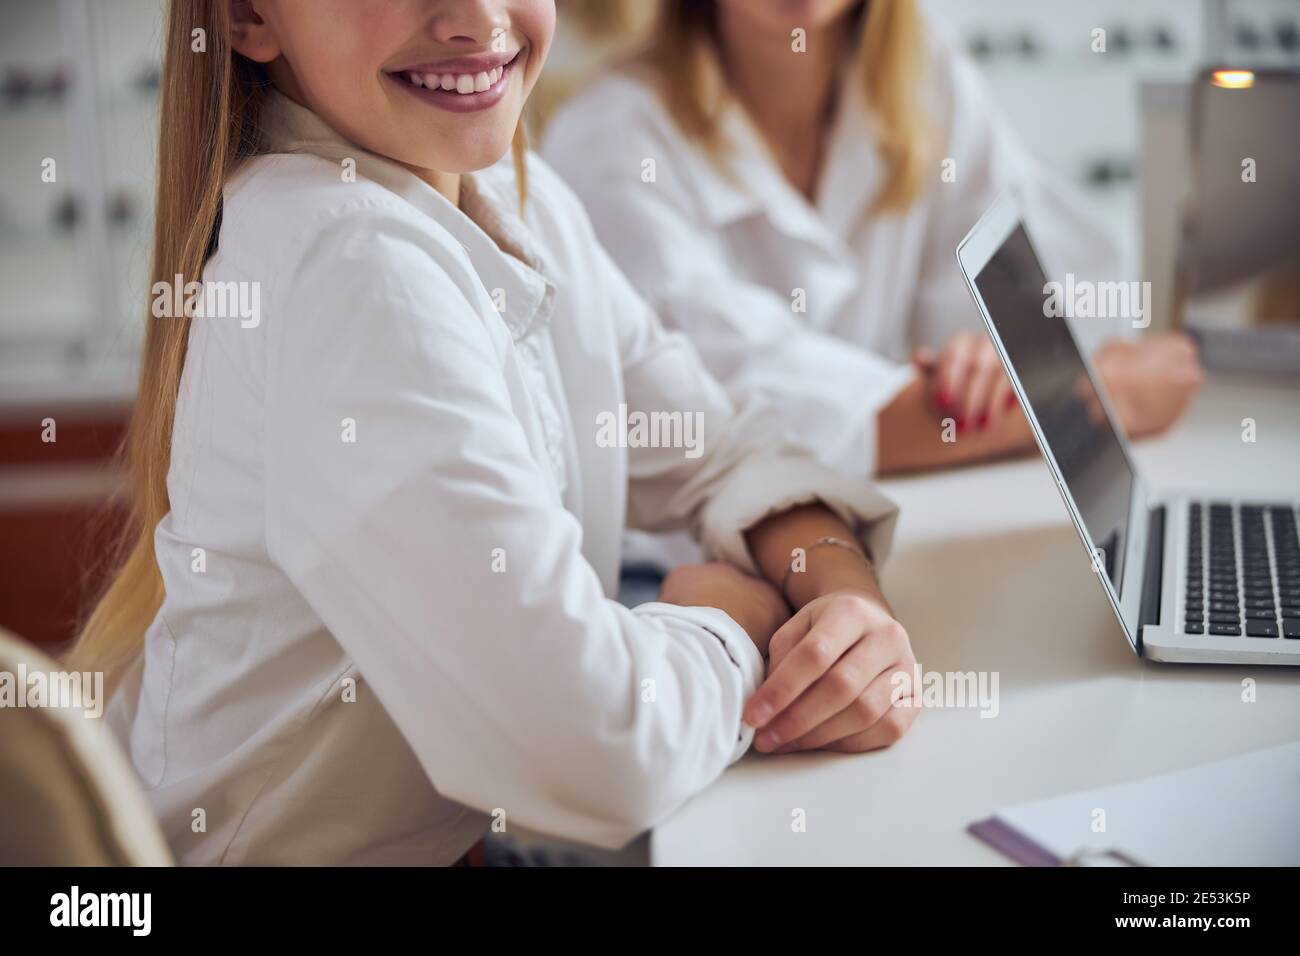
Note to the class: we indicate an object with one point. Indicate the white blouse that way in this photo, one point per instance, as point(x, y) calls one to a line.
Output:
point(396, 507)
point(814, 305)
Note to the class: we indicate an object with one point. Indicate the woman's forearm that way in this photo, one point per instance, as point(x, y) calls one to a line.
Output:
point(912, 436)
point(783, 541)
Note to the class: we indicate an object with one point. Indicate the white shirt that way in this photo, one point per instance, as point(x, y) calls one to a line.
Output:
point(731, 260)
point(427, 605)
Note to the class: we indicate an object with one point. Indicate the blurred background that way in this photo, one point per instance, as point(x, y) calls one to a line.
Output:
point(78, 94)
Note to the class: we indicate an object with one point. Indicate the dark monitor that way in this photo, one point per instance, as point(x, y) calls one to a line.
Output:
point(1074, 422)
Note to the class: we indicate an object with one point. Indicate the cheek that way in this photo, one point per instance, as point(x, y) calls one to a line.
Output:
point(535, 21)
point(335, 59)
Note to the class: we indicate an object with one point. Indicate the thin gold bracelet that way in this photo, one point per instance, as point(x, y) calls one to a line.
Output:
point(828, 542)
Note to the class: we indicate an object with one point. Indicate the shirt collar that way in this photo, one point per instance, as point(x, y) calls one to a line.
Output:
point(487, 224)
point(752, 183)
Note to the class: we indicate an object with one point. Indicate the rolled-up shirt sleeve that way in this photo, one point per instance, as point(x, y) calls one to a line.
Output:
point(406, 507)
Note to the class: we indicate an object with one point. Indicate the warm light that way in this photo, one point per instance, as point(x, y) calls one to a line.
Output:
point(1233, 79)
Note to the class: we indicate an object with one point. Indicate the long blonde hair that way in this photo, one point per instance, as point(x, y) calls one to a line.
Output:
point(888, 62)
point(208, 125)
point(208, 120)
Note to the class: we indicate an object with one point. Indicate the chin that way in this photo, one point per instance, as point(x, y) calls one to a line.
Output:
point(477, 152)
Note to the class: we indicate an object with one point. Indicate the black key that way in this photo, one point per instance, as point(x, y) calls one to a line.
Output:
point(1291, 626)
point(1194, 627)
point(1223, 619)
point(1261, 614)
point(1225, 630)
point(1224, 608)
point(1261, 629)
point(1259, 603)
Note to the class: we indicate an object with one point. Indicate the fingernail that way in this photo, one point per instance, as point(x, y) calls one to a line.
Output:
point(1011, 400)
point(944, 398)
point(983, 422)
point(760, 714)
point(961, 425)
point(789, 748)
point(767, 740)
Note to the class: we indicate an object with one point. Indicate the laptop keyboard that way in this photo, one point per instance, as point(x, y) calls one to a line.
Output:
point(1243, 571)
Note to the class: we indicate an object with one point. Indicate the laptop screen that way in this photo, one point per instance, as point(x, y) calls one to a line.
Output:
point(1074, 423)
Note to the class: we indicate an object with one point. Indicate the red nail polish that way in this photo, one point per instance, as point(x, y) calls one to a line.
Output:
point(945, 399)
point(961, 425)
point(983, 422)
point(1011, 400)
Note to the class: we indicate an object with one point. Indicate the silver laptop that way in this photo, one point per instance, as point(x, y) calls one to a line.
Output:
point(1202, 578)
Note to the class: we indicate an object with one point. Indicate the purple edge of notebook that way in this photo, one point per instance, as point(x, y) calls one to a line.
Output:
point(1012, 843)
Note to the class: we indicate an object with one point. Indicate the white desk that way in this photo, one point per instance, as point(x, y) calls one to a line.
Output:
point(988, 575)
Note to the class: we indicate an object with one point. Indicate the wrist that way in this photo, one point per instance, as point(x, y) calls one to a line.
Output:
point(825, 570)
point(758, 623)
point(753, 604)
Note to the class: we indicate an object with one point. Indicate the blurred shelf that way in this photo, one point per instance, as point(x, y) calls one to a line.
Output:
point(49, 376)
point(19, 238)
point(119, 102)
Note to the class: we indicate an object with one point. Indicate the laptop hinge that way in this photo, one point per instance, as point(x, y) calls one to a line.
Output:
point(1153, 573)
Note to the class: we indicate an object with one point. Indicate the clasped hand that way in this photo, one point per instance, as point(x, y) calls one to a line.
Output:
point(828, 684)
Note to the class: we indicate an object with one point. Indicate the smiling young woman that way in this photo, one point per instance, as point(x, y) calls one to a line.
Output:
point(366, 596)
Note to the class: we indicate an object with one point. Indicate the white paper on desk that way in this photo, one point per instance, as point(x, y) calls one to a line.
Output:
point(1243, 811)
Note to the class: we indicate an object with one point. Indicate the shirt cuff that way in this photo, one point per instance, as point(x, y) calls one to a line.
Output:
point(734, 643)
point(768, 487)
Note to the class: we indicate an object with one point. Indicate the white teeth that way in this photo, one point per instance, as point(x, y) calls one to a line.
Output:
point(461, 83)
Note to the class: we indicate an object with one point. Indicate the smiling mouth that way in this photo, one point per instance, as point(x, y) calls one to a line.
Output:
point(462, 92)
